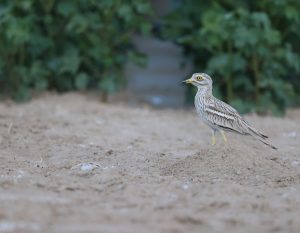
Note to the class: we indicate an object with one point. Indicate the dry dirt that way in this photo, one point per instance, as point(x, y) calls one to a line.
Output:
point(71, 164)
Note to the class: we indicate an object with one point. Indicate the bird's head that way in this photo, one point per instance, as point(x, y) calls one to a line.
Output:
point(200, 80)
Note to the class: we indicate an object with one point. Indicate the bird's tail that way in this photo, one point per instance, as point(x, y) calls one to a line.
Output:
point(259, 136)
point(267, 143)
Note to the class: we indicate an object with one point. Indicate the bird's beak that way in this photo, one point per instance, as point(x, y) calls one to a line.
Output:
point(190, 80)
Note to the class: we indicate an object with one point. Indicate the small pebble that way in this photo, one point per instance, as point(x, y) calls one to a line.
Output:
point(290, 134)
point(88, 166)
point(295, 163)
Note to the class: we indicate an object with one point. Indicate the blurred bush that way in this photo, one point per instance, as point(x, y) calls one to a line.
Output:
point(68, 44)
point(251, 48)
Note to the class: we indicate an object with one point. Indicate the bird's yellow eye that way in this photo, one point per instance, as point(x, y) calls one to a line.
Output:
point(199, 78)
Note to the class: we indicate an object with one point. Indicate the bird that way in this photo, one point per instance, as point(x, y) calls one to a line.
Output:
point(218, 115)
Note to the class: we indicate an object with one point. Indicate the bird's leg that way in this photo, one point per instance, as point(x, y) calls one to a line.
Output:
point(223, 136)
point(213, 137)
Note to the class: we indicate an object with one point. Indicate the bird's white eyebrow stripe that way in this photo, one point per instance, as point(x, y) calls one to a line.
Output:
point(221, 114)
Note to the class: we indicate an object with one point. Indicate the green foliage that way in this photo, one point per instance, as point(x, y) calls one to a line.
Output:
point(68, 44)
point(251, 48)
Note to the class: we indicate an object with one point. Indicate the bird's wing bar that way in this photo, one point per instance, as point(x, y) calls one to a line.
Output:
point(232, 119)
point(224, 116)
point(223, 120)
point(230, 129)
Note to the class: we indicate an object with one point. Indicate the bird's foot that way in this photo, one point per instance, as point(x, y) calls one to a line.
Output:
point(213, 140)
point(223, 136)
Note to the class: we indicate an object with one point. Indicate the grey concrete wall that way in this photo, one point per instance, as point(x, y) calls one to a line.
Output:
point(160, 82)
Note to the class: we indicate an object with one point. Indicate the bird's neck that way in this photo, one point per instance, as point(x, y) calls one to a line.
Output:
point(204, 90)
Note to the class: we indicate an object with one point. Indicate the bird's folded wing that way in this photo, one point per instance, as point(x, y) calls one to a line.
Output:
point(224, 116)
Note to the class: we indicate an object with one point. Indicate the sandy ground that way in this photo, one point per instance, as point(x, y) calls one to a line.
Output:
point(71, 164)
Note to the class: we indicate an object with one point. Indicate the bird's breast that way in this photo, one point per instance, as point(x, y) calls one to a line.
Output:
point(199, 104)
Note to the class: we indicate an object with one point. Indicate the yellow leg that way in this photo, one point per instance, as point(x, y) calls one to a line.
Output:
point(223, 136)
point(213, 138)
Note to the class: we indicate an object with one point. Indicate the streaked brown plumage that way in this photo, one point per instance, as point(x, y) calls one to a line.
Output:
point(218, 115)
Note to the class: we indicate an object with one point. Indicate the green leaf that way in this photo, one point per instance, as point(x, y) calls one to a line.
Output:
point(41, 84)
point(66, 8)
point(18, 31)
point(125, 12)
point(81, 81)
point(138, 58)
point(70, 62)
point(78, 23)
point(22, 94)
point(108, 84)
point(143, 7)
point(146, 28)
point(243, 106)
point(219, 62)
point(26, 4)
point(54, 64)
